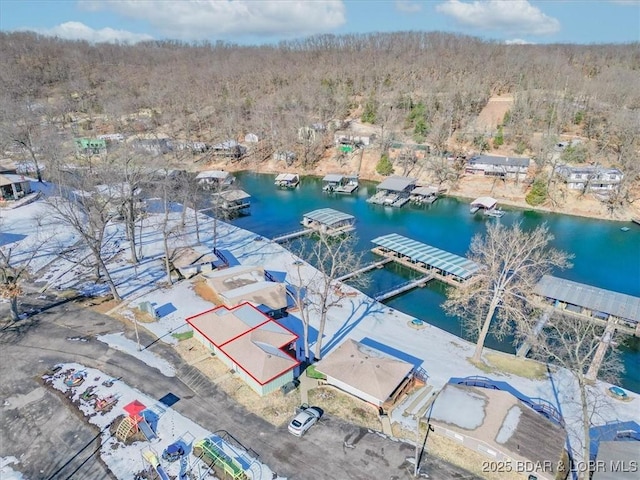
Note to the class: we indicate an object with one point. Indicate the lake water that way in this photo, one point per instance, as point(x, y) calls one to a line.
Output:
point(604, 256)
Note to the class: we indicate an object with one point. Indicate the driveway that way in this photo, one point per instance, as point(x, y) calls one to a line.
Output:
point(51, 439)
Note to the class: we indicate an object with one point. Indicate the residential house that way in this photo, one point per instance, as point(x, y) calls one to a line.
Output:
point(496, 166)
point(285, 156)
point(256, 348)
point(154, 146)
point(592, 178)
point(351, 139)
point(366, 372)
point(14, 187)
point(229, 149)
point(90, 146)
point(501, 427)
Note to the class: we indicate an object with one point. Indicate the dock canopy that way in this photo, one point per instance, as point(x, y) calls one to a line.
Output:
point(434, 257)
point(397, 184)
point(592, 298)
point(286, 177)
point(329, 217)
point(484, 202)
point(333, 177)
point(425, 191)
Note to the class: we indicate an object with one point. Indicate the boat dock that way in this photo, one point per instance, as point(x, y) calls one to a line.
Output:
point(329, 221)
point(405, 287)
point(292, 235)
point(366, 268)
point(444, 266)
point(524, 349)
point(338, 183)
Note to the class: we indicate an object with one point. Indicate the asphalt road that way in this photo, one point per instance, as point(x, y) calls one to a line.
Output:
point(51, 439)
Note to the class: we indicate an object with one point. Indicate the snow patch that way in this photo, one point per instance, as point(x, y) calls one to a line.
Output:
point(8, 473)
point(509, 424)
point(459, 407)
point(118, 341)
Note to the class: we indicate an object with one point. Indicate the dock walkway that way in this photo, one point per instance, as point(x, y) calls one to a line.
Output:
point(364, 269)
point(405, 287)
point(292, 235)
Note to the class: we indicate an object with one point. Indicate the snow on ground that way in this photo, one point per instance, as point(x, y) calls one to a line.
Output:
point(509, 424)
point(443, 354)
point(459, 407)
point(8, 473)
point(170, 426)
point(118, 341)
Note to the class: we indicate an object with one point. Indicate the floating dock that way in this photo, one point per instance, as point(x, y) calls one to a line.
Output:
point(292, 235)
point(329, 221)
point(366, 268)
point(338, 183)
point(405, 287)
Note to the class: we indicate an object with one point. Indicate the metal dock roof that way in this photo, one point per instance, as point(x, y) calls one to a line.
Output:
point(328, 216)
point(421, 252)
point(587, 296)
point(396, 183)
point(333, 177)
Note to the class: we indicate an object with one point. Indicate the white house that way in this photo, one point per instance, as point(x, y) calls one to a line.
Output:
point(497, 166)
point(590, 178)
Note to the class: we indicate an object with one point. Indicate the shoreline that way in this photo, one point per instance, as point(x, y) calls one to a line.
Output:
point(626, 217)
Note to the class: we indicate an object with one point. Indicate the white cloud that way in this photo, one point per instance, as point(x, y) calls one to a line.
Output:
point(407, 6)
point(203, 19)
point(508, 16)
point(80, 31)
point(518, 41)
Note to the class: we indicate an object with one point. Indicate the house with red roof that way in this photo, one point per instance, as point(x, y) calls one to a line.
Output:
point(257, 348)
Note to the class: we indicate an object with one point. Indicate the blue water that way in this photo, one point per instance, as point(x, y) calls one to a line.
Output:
point(604, 256)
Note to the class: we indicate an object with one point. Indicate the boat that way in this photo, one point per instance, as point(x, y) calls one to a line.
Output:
point(287, 180)
point(625, 229)
point(494, 212)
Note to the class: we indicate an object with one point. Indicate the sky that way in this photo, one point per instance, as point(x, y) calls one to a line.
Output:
point(270, 21)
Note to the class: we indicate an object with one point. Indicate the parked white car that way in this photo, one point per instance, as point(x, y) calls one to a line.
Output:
point(304, 420)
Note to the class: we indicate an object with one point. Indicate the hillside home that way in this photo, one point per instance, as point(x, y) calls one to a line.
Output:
point(590, 178)
point(14, 187)
point(228, 149)
point(496, 166)
point(90, 146)
point(348, 138)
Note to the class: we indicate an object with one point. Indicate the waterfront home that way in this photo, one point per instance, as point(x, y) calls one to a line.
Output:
point(215, 179)
point(329, 221)
point(233, 202)
point(154, 146)
point(14, 187)
point(284, 156)
point(367, 373)
point(503, 426)
point(497, 166)
point(287, 180)
point(187, 261)
point(338, 183)
point(241, 284)
point(348, 138)
point(228, 149)
point(593, 178)
point(393, 191)
point(257, 349)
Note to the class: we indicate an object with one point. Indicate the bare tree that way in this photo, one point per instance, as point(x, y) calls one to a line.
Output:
point(511, 262)
point(319, 290)
point(571, 342)
point(87, 211)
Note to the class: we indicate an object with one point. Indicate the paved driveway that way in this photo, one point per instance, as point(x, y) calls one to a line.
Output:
point(48, 435)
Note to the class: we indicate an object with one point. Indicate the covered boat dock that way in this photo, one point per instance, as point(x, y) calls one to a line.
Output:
point(329, 221)
point(444, 266)
point(591, 302)
point(338, 183)
point(233, 202)
point(486, 203)
point(424, 195)
point(287, 180)
point(394, 191)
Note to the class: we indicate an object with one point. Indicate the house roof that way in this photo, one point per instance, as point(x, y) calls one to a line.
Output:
point(328, 216)
point(499, 161)
point(11, 178)
point(421, 252)
point(234, 277)
point(249, 338)
point(271, 294)
point(500, 420)
point(333, 177)
point(567, 170)
point(617, 461)
point(396, 183)
point(587, 296)
point(226, 145)
point(365, 369)
point(185, 256)
point(484, 202)
point(219, 174)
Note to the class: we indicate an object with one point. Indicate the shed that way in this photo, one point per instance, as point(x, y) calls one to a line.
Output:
point(255, 347)
point(14, 187)
point(364, 372)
